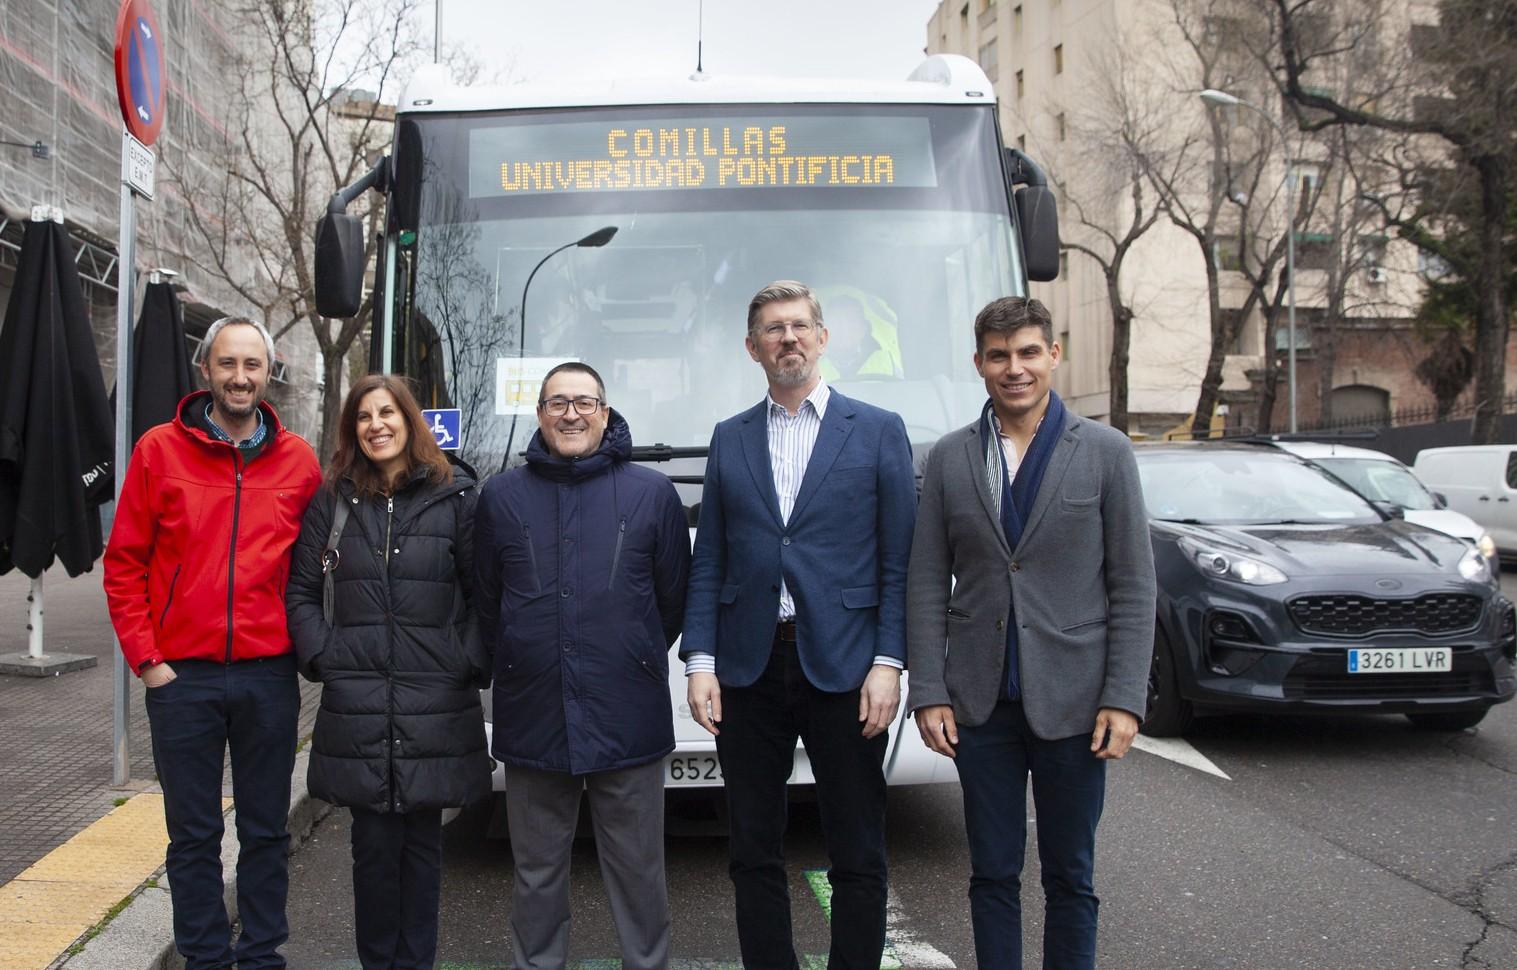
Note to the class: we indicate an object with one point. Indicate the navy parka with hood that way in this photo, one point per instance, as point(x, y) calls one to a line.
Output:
point(581, 567)
point(399, 727)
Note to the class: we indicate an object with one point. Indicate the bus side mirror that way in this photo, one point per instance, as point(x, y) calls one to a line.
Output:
point(339, 265)
point(1038, 216)
point(406, 187)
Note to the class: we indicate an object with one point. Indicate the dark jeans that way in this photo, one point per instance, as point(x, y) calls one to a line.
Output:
point(397, 879)
point(1068, 791)
point(250, 707)
point(759, 727)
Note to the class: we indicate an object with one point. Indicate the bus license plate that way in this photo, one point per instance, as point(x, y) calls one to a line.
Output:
point(692, 769)
point(1419, 660)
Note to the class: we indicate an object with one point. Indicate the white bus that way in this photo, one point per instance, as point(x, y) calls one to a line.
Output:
point(627, 224)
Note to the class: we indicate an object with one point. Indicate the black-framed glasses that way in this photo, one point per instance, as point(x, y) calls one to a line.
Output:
point(557, 407)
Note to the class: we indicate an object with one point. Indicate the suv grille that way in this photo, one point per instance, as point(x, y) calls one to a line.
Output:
point(1325, 678)
point(1357, 616)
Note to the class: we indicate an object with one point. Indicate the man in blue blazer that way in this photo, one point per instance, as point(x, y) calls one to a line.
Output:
point(795, 626)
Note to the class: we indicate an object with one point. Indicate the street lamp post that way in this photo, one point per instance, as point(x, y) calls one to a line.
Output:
point(1213, 96)
point(595, 240)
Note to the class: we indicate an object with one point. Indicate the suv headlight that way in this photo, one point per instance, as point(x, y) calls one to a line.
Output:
point(1474, 566)
point(1230, 565)
point(1487, 546)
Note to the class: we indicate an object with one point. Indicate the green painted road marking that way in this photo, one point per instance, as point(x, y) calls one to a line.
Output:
point(821, 888)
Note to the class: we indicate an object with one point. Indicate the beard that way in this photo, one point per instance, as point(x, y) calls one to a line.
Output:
point(792, 374)
point(225, 405)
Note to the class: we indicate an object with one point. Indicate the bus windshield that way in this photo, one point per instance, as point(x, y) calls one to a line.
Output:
point(896, 216)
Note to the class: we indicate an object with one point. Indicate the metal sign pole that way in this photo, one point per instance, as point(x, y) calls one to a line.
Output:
point(125, 277)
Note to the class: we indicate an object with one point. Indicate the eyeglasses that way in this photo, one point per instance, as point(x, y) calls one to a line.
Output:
point(776, 331)
point(557, 407)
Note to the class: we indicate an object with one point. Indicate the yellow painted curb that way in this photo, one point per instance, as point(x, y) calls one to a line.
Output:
point(50, 905)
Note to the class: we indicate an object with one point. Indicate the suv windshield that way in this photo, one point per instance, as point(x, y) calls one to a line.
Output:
point(1384, 481)
point(896, 216)
point(1219, 487)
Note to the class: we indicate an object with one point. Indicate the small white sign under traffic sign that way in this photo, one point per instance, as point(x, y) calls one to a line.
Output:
point(137, 165)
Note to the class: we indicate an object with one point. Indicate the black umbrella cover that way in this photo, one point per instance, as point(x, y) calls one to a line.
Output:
point(162, 374)
point(56, 431)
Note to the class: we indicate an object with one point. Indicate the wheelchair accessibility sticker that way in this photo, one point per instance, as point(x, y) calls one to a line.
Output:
point(445, 424)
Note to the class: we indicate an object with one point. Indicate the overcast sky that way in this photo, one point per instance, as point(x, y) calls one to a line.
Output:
point(547, 40)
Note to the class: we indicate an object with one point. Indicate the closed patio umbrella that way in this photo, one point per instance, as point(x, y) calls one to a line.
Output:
point(56, 434)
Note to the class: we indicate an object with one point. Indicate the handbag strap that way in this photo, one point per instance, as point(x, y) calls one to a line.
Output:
point(330, 557)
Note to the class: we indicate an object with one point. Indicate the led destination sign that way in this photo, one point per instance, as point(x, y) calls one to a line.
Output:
point(622, 156)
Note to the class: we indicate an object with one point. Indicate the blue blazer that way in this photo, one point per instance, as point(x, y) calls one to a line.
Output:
point(843, 554)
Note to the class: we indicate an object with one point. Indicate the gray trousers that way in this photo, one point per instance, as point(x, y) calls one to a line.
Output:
point(627, 809)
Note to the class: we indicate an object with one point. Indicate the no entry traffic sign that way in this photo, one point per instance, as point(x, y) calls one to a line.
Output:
point(139, 69)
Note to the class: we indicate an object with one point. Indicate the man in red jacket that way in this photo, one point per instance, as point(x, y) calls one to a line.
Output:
point(195, 575)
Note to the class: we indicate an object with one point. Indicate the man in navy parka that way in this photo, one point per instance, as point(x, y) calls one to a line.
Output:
point(581, 560)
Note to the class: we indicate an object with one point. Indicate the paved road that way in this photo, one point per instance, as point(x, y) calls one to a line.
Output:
point(1342, 843)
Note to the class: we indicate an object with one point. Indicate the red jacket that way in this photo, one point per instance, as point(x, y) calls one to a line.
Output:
point(200, 547)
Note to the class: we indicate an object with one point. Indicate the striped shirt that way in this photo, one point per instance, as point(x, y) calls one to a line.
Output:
point(791, 440)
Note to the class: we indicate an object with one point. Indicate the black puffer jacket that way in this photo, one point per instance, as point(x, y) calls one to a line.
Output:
point(400, 726)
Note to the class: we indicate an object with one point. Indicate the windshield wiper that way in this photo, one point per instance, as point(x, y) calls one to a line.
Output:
point(663, 452)
point(1181, 521)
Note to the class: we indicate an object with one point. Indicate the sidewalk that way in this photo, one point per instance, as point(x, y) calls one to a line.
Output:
point(79, 846)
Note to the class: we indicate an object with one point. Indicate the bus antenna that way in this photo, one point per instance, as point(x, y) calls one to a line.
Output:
point(700, 32)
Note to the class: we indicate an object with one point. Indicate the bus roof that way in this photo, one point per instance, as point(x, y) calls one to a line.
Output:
point(940, 79)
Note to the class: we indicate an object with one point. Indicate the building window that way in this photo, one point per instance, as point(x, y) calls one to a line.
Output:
point(988, 59)
point(1314, 250)
point(1058, 58)
point(1237, 325)
point(1021, 86)
point(1016, 20)
point(1064, 269)
point(964, 21)
point(1431, 266)
point(1064, 344)
point(1062, 127)
point(1308, 179)
point(1225, 255)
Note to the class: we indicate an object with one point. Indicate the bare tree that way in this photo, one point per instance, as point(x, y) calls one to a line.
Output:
point(1449, 86)
point(1120, 127)
point(1225, 197)
point(310, 118)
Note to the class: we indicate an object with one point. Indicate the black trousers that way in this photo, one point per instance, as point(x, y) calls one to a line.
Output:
point(759, 728)
point(397, 879)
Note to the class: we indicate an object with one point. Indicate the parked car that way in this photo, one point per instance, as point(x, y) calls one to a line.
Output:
point(1381, 478)
point(1481, 482)
point(1283, 590)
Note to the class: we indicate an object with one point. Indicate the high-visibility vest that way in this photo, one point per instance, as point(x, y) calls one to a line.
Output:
point(884, 361)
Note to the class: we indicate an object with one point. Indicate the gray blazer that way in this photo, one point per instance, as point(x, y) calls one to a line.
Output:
point(1082, 580)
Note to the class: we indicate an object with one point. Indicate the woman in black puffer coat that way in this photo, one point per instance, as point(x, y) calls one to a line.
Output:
point(399, 733)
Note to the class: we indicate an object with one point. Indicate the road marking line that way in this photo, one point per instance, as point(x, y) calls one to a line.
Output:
point(902, 949)
point(1180, 752)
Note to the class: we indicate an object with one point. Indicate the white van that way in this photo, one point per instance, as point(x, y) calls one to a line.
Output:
point(1481, 482)
point(1381, 478)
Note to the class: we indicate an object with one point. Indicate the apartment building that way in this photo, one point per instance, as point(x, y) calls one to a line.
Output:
point(1072, 78)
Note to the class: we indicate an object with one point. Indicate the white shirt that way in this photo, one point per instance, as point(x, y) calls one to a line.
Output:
point(791, 440)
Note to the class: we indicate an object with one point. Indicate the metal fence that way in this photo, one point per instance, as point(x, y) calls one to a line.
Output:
point(1406, 431)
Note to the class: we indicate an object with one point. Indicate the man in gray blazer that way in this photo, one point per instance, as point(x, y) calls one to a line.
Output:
point(1030, 621)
